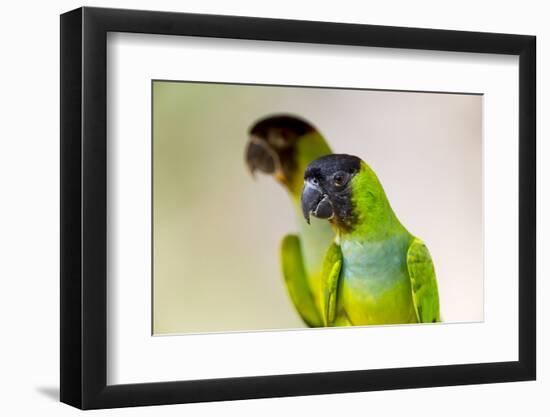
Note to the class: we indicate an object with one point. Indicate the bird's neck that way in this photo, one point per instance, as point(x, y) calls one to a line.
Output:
point(374, 218)
point(373, 228)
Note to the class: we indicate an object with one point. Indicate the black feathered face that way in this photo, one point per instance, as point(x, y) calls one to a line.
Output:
point(271, 148)
point(327, 191)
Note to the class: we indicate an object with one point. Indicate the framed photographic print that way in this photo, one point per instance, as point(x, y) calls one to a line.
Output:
point(256, 207)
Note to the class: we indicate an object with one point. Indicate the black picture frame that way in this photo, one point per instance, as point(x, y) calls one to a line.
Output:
point(84, 207)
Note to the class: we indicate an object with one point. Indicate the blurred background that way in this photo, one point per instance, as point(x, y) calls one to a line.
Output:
point(217, 230)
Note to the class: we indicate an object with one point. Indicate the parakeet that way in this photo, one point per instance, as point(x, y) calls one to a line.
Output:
point(283, 146)
point(375, 271)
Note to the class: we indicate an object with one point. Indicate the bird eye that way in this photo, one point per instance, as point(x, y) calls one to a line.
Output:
point(315, 181)
point(340, 178)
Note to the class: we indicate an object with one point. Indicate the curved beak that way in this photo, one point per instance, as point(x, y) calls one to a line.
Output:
point(260, 156)
point(316, 202)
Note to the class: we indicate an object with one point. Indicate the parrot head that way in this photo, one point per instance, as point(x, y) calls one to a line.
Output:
point(280, 144)
point(346, 191)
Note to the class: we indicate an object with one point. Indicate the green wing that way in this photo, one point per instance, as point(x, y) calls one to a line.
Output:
point(296, 281)
point(332, 264)
point(423, 282)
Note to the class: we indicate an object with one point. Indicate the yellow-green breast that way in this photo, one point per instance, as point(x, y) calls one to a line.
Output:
point(374, 283)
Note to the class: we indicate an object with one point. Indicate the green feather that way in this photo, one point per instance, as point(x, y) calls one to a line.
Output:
point(423, 282)
point(296, 281)
point(332, 265)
